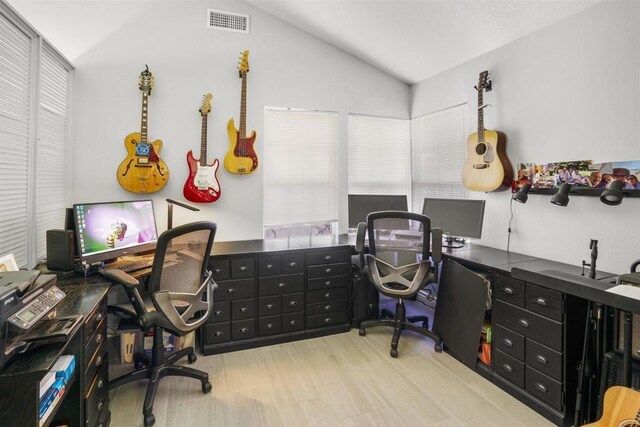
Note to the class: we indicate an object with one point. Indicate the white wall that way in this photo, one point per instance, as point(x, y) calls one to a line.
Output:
point(289, 68)
point(570, 91)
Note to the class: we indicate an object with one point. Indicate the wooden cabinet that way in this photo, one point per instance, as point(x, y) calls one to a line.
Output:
point(271, 297)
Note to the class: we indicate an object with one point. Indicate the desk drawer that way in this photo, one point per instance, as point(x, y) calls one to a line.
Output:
point(243, 329)
point(544, 388)
point(98, 361)
point(220, 312)
point(269, 306)
point(217, 333)
point(270, 266)
point(292, 303)
point(219, 268)
point(509, 342)
point(234, 290)
point(280, 285)
point(243, 309)
point(329, 270)
point(270, 325)
point(242, 267)
point(292, 322)
point(509, 368)
point(326, 320)
point(97, 396)
point(94, 319)
point(326, 295)
point(99, 335)
point(508, 289)
point(544, 301)
point(326, 307)
point(531, 325)
point(544, 359)
point(328, 257)
point(292, 263)
point(328, 282)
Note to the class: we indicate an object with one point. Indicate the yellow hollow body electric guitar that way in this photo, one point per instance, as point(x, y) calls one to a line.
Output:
point(241, 158)
point(487, 167)
point(142, 171)
point(621, 408)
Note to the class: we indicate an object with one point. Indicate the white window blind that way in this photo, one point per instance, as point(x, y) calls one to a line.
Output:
point(300, 167)
point(438, 153)
point(379, 155)
point(52, 181)
point(15, 137)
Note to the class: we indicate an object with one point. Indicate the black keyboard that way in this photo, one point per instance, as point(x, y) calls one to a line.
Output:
point(130, 266)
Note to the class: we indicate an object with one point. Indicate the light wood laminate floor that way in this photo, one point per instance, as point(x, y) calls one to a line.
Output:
point(339, 380)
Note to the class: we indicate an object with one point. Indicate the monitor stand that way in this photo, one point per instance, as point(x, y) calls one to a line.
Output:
point(450, 242)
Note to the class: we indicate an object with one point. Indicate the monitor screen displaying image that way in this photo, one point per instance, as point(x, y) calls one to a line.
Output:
point(361, 205)
point(109, 230)
point(456, 217)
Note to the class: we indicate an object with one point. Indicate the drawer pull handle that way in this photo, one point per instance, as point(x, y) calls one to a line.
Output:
point(292, 303)
point(218, 333)
point(99, 338)
point(328, 320)
point(327, 270)
point(269, 325)
point(99, 360)
point(328, 257)
point(328, 283)
point(244, 330)
point(523, 323)
point(269, 306)
point(282, 285)
point(217, 313)
point(507, 342)
point(98, 317)
point(217, 270)
point(507, 368)
point(244, 309)
point(293, 322)
point(100, 383)
point(541, 387)
point(542, 359)
point(541, 301)
point(100, 404)
point(243, 268)
point(508, 291)
point(327, 295)
point(327, 307)
point(231, 290)
point(293, 264)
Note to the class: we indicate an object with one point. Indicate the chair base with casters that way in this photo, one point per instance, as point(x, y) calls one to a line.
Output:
point(400, 323)
point(158, 366)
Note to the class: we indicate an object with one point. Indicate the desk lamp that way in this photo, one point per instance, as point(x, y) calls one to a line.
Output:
point(613, 195)
point(561, 198)
point(172, 202)
point(522, 195)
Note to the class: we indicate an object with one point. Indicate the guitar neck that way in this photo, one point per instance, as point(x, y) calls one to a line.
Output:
point(480, 114)
point(243, 107)
point(203, 141)
point(143, 124)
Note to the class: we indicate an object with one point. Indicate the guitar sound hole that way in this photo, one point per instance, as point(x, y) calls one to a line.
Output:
point(481, 148)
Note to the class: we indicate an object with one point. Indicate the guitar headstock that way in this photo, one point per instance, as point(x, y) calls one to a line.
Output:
point(243, 64)
point(146, 80)
point(483, 82)
point(205, 108)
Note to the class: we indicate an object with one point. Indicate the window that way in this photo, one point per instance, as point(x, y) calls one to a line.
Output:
point(300, 168)
point(438, 153)
point(379, 155)
point(33, 139)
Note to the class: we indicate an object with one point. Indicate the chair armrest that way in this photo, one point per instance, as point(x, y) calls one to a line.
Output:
point(120, 277)
point(436, 250)
point(362, 229)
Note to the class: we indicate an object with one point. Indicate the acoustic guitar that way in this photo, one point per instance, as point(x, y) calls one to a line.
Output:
point(241, 157)
point(621, 408)
point(487, 167)
point(202, 185)
point(142, 171)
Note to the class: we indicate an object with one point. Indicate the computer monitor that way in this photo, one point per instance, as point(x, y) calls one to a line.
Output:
point(109, 230)
point(361, 205)
point(456, 217)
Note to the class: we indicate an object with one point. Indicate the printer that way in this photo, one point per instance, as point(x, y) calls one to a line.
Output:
point(26, 297)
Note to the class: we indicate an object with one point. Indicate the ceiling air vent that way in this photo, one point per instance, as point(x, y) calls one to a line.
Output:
point(227, 21)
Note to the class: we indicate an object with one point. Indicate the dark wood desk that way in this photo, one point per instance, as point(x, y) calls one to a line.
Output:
point(86, 399)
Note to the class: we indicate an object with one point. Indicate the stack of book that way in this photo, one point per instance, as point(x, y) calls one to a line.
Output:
point(52, 386)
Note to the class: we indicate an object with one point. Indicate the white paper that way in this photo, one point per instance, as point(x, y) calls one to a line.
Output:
point(626, 291)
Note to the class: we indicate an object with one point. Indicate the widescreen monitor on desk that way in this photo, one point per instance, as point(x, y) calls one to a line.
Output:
point(456, 217)
point(361, 205)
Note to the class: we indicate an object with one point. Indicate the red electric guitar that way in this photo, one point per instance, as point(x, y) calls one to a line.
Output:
point(202, 185)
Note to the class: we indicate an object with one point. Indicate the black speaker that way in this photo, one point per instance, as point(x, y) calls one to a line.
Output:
point(60, 250)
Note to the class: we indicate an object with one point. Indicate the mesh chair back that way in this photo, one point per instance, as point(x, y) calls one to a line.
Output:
point(399, 238)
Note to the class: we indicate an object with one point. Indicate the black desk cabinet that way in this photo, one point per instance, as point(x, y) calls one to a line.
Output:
point(86, 399)
point(272, 297)
point(536, 334)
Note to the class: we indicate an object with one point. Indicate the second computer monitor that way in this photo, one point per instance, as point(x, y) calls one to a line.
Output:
point(456, 217)
point(361, 205)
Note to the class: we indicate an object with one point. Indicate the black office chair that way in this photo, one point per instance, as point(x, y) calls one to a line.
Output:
point(180, 288)
point(399, 264)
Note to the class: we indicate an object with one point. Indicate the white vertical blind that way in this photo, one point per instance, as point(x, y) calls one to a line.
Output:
point(300, 166)
point(438, 153)
point(52, 181)
point(379, 155)
point(15, 117)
